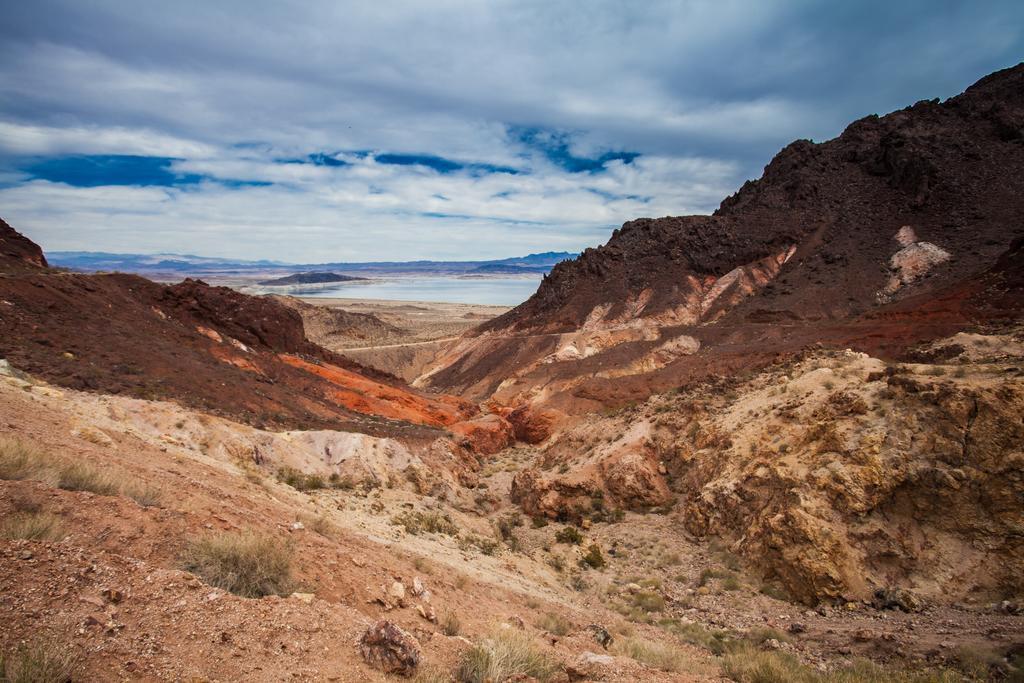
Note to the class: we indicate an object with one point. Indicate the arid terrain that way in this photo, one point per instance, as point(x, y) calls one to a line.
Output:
point(401, 337)
point(779, 443)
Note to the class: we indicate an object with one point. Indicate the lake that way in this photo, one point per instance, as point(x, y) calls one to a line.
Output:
point(488, 291)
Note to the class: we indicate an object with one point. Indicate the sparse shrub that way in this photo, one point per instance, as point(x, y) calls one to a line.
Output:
point(557, 563)
point(648, 601)
point(19, 459)
point(936, 371)
point(421, 564)
point(731, 583)
point(710, 574)
point(488, 546)
point(244, 563)
point(300, 481)
point(746, 664)
point(321, 525)
point(960, 373)
point(82, 476)
point(750, 665)
point(554, 623)
point(570, 535)
point(450, 624)
point(145, 495)
point(716, 641)
point(670, 560)
point(539, 522)
point(593, 557)
point(664, 656)
point(38, 663)
point(32, 526)
point(415, 522)
point(505, 654)
point(507, 523)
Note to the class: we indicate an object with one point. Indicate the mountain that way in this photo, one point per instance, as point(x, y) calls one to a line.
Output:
point(178, 265)
point(831, 237)
point(823, 376)
point(308, 278)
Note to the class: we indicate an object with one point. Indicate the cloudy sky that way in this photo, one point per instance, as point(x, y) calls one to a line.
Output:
point(327, 131)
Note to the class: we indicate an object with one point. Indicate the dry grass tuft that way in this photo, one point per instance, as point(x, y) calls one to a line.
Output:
point(245, 563)
point(503, 655)
point(664, 656)
point(32, 526)
point(38, 663)
point(82, 476)
point(450, 624)
point(554, 623)
point(19, 459)
point(746, 664)
point(146, 495)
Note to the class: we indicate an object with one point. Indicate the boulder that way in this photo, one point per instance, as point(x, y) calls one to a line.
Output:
point(388, 648)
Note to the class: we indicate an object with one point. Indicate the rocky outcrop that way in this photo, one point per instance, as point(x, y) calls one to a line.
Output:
point(533, 425)
point(18, 252)
point(486, 434)
point(891, 480)
point(620, 477)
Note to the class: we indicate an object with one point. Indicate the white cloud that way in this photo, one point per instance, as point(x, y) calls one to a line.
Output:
point(706, 91)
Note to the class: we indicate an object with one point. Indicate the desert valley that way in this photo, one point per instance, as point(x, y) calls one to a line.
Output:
point(782, 442)
point(512, 341)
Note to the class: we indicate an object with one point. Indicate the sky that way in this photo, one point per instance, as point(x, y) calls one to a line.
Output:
point(320, 131)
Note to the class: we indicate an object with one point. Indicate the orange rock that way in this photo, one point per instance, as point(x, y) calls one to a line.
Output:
point(486, 434)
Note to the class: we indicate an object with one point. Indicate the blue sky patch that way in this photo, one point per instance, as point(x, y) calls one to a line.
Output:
point(109, 169)
point(555, 146)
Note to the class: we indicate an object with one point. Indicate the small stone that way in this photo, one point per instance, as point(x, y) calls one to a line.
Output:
point(24, 555)
point(517, 621)
point(797, 627)
point(112, 595)
point(427, 612)
point(304, 597)
point(397, 592)
point(864, 635)
point(297, 526)
point(417, 586)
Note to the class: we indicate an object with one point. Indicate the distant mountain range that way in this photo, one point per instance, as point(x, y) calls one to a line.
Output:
point(184, 265)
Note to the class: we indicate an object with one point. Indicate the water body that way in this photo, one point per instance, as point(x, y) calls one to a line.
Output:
point(488, 291)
